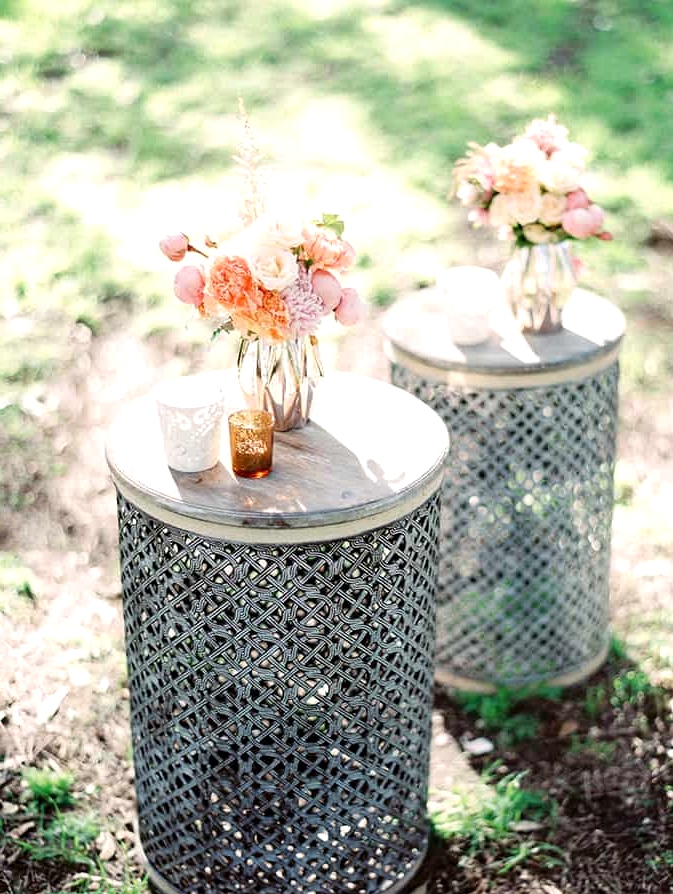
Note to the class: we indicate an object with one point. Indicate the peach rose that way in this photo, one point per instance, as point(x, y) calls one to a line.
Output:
point(552, 208)
point(325, 249)
point(516, 167)
point(327, 287)
point(525, 206)
point(189, 284)
point(175, 246)
point(350, 309)
point(499, 211)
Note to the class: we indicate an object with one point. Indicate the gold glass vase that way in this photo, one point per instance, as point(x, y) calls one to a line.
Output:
point(537, 282)
point(280, 377)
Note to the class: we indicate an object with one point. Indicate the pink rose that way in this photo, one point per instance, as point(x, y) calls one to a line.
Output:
point(328, 288)
point(175, 246)
point(577, 199)
point(350, 309)
point(583, 222)
point(189, 284)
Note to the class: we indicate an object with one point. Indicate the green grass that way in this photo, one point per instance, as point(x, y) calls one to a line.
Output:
point(49, 789)
point(501, 712)
point(601, 751)
point(66, 838)
point(116, 121)
point(493, 815)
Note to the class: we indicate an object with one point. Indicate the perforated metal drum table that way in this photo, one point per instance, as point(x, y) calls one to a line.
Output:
point(528, 492)
point(280, 639)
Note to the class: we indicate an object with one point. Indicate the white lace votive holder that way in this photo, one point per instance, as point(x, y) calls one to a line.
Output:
point(190, 413)
point(469, 296)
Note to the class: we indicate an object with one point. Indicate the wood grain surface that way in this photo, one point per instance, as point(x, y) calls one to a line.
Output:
point(369, 448)
point(417, 326)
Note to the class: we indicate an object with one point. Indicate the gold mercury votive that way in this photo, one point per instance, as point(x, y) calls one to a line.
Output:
point(251, 440)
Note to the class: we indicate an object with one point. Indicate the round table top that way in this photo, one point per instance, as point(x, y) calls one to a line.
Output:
point(370, 454)
point(416, 333)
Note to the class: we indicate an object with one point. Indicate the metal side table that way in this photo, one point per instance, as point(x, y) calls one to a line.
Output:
point(280, 639)
point(528, 492)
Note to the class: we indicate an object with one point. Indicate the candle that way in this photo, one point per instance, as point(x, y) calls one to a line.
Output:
point(251, 442)
point(469, 296)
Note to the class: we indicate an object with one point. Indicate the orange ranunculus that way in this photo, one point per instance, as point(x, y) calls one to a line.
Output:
point(270, 320)
point(230, 286)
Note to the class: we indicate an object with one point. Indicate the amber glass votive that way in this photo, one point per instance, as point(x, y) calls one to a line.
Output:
point(251, 440)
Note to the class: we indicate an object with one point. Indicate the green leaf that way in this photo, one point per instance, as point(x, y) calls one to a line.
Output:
point(332, 222)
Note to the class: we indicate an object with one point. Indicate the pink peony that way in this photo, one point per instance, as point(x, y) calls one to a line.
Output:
point(325, 249)
point(577, 199)
point(350, 309)
point(583, 222)
point(327, 287)
point(174, 247)
point(189, 284)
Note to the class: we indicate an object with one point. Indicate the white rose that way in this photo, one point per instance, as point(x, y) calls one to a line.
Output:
point(276, 268)
point(561, 172)
point(284, 232)
point(499, 212)
point(552, 208)
point(525, 206)
point(537, 234)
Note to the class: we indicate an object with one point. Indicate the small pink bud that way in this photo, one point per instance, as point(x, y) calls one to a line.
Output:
point(327, 287)
point(577, 199)
point(189, 284)
point(175, 246)
point(605, 236)
point(580, 223)
point(598, 215)
point(351, 309)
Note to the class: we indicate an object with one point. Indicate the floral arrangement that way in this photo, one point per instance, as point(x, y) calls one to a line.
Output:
point(530, 189)
point(276, 277)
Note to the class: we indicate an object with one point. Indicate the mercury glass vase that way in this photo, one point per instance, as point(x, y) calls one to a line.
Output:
point(537, 282)
point(280, 377)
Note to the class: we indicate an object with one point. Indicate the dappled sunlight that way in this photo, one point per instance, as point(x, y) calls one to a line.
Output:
point(418, 41)
point(119, 124)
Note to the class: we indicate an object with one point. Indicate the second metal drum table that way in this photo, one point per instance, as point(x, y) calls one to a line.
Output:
point(528, 493)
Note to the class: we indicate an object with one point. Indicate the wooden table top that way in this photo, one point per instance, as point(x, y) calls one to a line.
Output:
point(416, 332)
point(370, 454)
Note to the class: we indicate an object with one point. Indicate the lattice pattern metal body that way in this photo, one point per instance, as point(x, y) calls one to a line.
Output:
point(526, 523)
point(280, 705)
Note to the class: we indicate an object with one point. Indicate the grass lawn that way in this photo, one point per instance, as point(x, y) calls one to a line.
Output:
point(118, 122)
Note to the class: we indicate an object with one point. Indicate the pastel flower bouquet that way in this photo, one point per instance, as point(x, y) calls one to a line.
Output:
point(273, 281)
point(530, 191)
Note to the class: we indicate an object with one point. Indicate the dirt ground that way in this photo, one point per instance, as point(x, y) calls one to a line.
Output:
point(64, 696)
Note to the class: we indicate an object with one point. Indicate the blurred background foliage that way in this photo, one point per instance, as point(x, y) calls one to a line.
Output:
point(117, 119)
